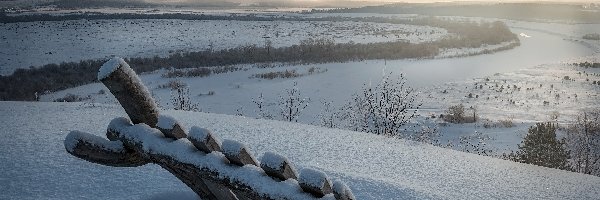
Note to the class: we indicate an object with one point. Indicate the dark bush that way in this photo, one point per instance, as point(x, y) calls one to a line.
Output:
point(71, 98)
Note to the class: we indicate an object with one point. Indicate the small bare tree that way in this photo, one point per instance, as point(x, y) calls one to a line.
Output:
point(262, 107)
point(583, 143)
point(180, 98)
point(292, 104)
point(327, 115)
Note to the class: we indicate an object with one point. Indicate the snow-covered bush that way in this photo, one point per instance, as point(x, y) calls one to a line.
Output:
point(382, 109)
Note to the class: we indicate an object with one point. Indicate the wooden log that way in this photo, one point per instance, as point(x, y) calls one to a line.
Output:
point(175, 157)
point(204, 140)
point(170, 127)
point(101, 151)
point(315, 182)
point(142, 144)
point(127, 87)
point(220, 191)
point(278, 166)
point(237, 153)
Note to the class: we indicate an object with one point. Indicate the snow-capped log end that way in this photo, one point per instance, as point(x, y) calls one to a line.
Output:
point(110, 66)
point(76, 137)
point(237, 153)
point(96, 149)
point(342, 191)
point(278, 166)
point(315, 182)
point(170, 127)
point(114, 127)
point(166, 121)
point(204, 140)
point(128, 89)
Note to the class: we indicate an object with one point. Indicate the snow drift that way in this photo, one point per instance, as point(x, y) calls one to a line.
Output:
point(36, 166)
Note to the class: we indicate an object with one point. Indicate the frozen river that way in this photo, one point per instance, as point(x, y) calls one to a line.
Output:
point(540, 48)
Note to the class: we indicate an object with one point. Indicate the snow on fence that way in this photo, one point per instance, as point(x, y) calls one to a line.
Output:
point(211, 168)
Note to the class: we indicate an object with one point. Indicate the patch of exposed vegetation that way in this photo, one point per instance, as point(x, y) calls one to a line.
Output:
point(199, 72)
point(587, 64)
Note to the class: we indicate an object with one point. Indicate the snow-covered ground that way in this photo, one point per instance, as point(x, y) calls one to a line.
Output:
point(526, 66)
point(35, 164)
point(236, 90)
point(65, 41)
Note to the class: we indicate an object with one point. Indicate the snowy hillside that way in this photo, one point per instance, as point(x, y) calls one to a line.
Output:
point(35, 164)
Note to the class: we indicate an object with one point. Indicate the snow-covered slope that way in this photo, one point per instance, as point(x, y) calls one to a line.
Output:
point(36, 166)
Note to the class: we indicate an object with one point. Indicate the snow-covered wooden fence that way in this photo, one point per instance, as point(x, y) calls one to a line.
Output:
point(211, 168)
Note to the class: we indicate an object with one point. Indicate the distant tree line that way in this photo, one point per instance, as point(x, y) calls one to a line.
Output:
point(74, 4)
point(5, 18)
point(28, 84)
point(516, 11)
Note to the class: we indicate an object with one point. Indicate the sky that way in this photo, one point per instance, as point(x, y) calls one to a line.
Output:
point(301, 3)
point(353, 3)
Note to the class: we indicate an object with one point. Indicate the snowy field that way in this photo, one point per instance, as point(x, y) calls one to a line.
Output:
point(75, 40)
point(533, 82)
point(340, 80)
point(36, 166)
point(232, 93)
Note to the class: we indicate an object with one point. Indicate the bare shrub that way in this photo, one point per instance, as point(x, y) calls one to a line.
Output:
point(180, 98)
point(198, 72)
point(262, 107)
point(174, 73)
point(507, 123)
point(72, 98)
point(209, 93)
point(583, 143)
point(172, 84)
point(328, 115)
point(278, 74)
point(458, 114)
point(475, 143)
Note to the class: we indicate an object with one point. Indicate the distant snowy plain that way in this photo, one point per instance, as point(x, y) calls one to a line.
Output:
point(75, 40)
